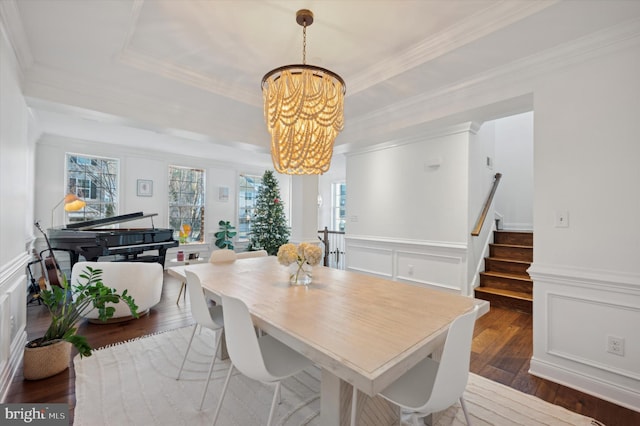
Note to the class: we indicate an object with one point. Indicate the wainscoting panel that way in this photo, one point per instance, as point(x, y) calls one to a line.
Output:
point(583, 336)
point(434, 270)
point(431, 264)
point(575, 312)
point(13, 318)
point(370, 260)
point(5, 331)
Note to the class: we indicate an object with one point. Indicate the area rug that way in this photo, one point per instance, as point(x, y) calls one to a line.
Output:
point(134, 383)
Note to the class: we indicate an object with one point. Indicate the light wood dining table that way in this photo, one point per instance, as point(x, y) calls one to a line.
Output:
point(359, 329)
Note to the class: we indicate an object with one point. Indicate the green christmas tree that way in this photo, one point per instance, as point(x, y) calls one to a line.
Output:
point(269, 228)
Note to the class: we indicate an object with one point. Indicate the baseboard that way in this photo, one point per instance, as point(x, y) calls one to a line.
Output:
point(611, 392)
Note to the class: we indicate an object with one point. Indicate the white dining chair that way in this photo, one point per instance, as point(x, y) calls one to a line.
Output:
point(250, 254)
point(205, 316)
point(260, 358)
point(223, 255)
point(432, 386)
point(219, 256)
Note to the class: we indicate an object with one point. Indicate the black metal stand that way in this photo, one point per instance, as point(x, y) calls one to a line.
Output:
point(34, 288)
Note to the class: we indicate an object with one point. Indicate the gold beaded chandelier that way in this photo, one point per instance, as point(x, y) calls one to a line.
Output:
point(303, 108)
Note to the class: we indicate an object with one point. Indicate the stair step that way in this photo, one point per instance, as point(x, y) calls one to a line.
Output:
point(506, 298)
point(512, 252)
point(506, 281)
point(496, 264)
point(523, 238)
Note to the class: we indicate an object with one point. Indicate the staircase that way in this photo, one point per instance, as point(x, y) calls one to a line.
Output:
point(505, 281)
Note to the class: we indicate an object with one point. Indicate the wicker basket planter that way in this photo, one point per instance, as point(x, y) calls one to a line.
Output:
point(46, 361)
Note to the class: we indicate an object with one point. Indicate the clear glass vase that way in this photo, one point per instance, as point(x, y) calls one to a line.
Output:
point(300, 273)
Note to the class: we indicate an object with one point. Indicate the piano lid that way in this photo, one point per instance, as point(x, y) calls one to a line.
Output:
point(92, 224)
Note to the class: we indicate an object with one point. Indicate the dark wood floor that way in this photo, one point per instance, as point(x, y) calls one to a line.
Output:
point(502, 347)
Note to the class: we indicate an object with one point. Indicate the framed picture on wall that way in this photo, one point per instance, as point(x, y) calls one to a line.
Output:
point(145, 188)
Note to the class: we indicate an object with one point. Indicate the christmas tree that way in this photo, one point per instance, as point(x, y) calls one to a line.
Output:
point(269, 226)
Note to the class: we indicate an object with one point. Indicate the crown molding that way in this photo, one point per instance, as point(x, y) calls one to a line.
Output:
point(470, 29)
point(119, 105)
point(466, 31)
point(130, 57)
point(171, 71)
point(470, 127)
point(11, 26)
point(511, 80)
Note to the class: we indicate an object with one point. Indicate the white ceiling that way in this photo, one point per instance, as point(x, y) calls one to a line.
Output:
point(192, 69)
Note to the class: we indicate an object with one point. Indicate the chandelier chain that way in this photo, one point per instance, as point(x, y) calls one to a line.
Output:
point(304, 43)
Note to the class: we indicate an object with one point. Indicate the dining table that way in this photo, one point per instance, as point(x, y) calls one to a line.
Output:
point(359, 329)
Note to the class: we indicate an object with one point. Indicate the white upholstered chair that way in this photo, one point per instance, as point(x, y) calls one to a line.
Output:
point(143, 281)
point(205, 316)
point(250, 254)
point(260, 358)
point(432, 386)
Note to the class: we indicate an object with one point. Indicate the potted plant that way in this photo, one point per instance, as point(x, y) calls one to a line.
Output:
point(49, 355)
point(225, 235)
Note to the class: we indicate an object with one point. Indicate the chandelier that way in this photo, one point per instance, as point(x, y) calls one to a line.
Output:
point(303, 108)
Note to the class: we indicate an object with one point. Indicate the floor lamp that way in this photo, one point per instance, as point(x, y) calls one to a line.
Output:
point(72, 203)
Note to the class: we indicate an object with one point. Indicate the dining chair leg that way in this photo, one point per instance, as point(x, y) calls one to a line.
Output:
point(354, 403)
point(183, 287)
point(224, 391)
point(415, 420)
point(193, 333)
point(464, 410)
point(273, 403)
point(213, 361)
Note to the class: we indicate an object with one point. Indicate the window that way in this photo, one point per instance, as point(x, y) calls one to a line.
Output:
point(186, 204)
point(338, 201)
point(247, 196)
point(95, 180)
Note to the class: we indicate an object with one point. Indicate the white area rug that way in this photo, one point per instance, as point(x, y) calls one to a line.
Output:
point(134, 384)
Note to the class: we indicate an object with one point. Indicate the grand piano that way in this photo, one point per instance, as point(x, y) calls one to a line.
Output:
point(92, 240)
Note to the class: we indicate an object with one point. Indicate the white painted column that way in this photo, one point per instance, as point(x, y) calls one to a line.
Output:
point(304, 209)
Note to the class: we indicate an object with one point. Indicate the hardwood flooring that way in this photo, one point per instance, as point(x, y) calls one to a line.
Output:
point(502, 348)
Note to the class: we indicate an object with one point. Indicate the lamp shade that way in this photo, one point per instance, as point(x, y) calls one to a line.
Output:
point(72, 203)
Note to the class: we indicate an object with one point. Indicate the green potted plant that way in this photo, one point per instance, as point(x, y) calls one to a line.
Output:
point(224, 235)
point(49, 355)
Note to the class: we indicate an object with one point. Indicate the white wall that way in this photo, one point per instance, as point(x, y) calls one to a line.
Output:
point(407, 209)
point(587, 275)
point(141, 164)
point(514, 159)
point(16, 219)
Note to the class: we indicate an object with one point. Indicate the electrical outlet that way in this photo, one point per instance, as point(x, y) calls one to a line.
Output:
point(615, 345)
point(410, 269)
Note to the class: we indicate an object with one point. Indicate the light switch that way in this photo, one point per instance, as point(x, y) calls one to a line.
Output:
point(562, 219)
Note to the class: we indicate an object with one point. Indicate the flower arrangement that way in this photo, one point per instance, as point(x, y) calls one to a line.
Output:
point(303, 256)
point(184, 232)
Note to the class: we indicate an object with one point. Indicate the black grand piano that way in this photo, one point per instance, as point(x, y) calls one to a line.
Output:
point(91, 239)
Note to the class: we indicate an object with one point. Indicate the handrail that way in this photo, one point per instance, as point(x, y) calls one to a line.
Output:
point(487, 204)
point(327, 250)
